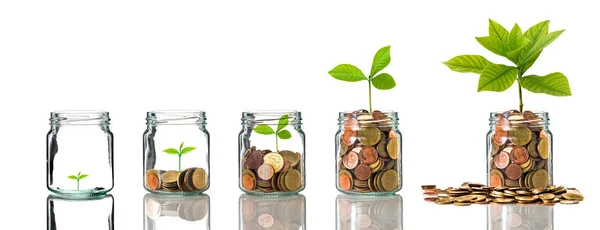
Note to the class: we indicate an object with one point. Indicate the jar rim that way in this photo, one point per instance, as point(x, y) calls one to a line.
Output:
point(79, 117)
point(175, 117)
point(389, 113)
point(270, 112)
point(536, 112)
point(271, 117)
point(79, 112)
point(177, 111)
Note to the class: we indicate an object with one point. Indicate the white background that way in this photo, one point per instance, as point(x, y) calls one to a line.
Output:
point(226, 57)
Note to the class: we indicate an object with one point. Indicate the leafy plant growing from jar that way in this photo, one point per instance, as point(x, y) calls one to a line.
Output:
point(382, 81)
point(522, 49)
point(78, 178)
point(179, 152)
point(281, 132)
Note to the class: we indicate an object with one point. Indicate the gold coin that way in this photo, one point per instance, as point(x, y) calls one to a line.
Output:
point(199, 178)
point(462, 203)
point(369, 136)
point(543, 148)
point(382, 148)
point(293, 180)
point(569, 202)
point(444, 200)
point(526, 198)
point(170, 177)
point(393, 148)
point(291, 156)
point(504, 200)
point(275, 160)
point(519, 136)
point(180, 181)
point(389, 180)
point(540, 178)
point(547, 196)
point(572, 196)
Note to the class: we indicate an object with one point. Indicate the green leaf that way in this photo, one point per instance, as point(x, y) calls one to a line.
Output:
point(381, 60)
point(284, 134)
point(283, 122)
point(347, 72)
point(527, 64)
point(171, 151)
point(72, 177)
point(263, 129)
point(78, 173)
point(537, 30)
point(467, 63)
point(497, 30)
point(83, 176)
point(383, 81)
point(187, 150)
point(180, 146)
point(493, 44)
point(532, 34)
point(555, 84)
point(541, 43)
point(497, 78)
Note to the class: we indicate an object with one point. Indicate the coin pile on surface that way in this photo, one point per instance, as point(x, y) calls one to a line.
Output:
point(476, 193)
point(284, 213)
point(519, 151)
point(369, 214)
point(369, 153)
point(188, 180)
point(190, 210)
point(266, 171)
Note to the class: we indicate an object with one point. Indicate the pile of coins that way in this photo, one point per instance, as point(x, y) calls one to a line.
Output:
point(519, 151)
point(477, 193)
point(383, 213)
point(281, 213)
point(266, 171)
point(190, 210)
point(189, 180)
point(368, 154)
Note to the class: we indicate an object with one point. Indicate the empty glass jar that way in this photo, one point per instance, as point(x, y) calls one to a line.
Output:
point(271, 153)
point(368, 153)
point(79, 153)
point(519, 150)
point(176, 153)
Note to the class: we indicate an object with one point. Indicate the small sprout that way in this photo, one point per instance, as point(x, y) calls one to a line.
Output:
point(280, 133)
point(179, 152)
point(78, 177)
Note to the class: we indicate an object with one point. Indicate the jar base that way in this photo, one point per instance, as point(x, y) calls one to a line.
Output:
point(80, 194)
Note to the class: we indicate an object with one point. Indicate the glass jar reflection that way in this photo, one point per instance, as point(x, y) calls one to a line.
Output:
point(520, 217)
point(173, 212)
point(76, 214)
point(373, 212)
point(260, 212)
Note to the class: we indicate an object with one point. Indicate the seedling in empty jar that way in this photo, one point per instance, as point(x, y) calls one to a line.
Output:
point(280, 133)
point(522, 49)
point(179, 152)
point(78, 178)
point(351, 73)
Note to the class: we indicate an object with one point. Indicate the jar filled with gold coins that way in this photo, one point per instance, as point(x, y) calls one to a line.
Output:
point(519, 150)
point(176, 153)
point(368, 153)
point(79, 154)
point(271, 153)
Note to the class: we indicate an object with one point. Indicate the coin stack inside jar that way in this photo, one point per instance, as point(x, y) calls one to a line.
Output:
point(188, 180)
point(267, 172)
point(369, 153)
point(520, 151)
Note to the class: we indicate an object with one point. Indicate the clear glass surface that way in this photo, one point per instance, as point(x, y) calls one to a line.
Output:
point(368, 153)
point(268, 212)
point(368, 212)
point(520, 217)
point(519, 150)
point(176, 153)
point(271, 162)
point(94, 213)
point(176, 212)
point(79, 153)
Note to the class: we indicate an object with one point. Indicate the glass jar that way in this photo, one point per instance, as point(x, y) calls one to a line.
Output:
point(519, 150)
point(79, 153)
point(272, 212)
point(368, 212)
point(271, 153)
point(176, 212)
point(176, 153)
point(368, 150)
point(90, 213)
point(517, 216)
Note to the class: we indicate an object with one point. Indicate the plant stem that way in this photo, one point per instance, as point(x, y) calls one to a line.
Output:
point(519, 75)
point(276, 143)
point(77, 184)
point(180, 162)
point(370, 102)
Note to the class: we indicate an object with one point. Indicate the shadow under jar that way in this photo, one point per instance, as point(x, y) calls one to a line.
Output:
point(368, 153)
point(519, 150)
point(271, 153)
point(79, 154)
point(176, 153)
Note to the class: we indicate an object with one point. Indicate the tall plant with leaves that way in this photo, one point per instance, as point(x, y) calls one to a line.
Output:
point(280, 133)
point(522, 49)
point(179, 152)
point(382, 81)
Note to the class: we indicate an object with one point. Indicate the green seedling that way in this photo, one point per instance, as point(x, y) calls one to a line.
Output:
point(78, 178)
point(280, 133)
point(522, 49)
point(179, 152)
point(351, 73)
